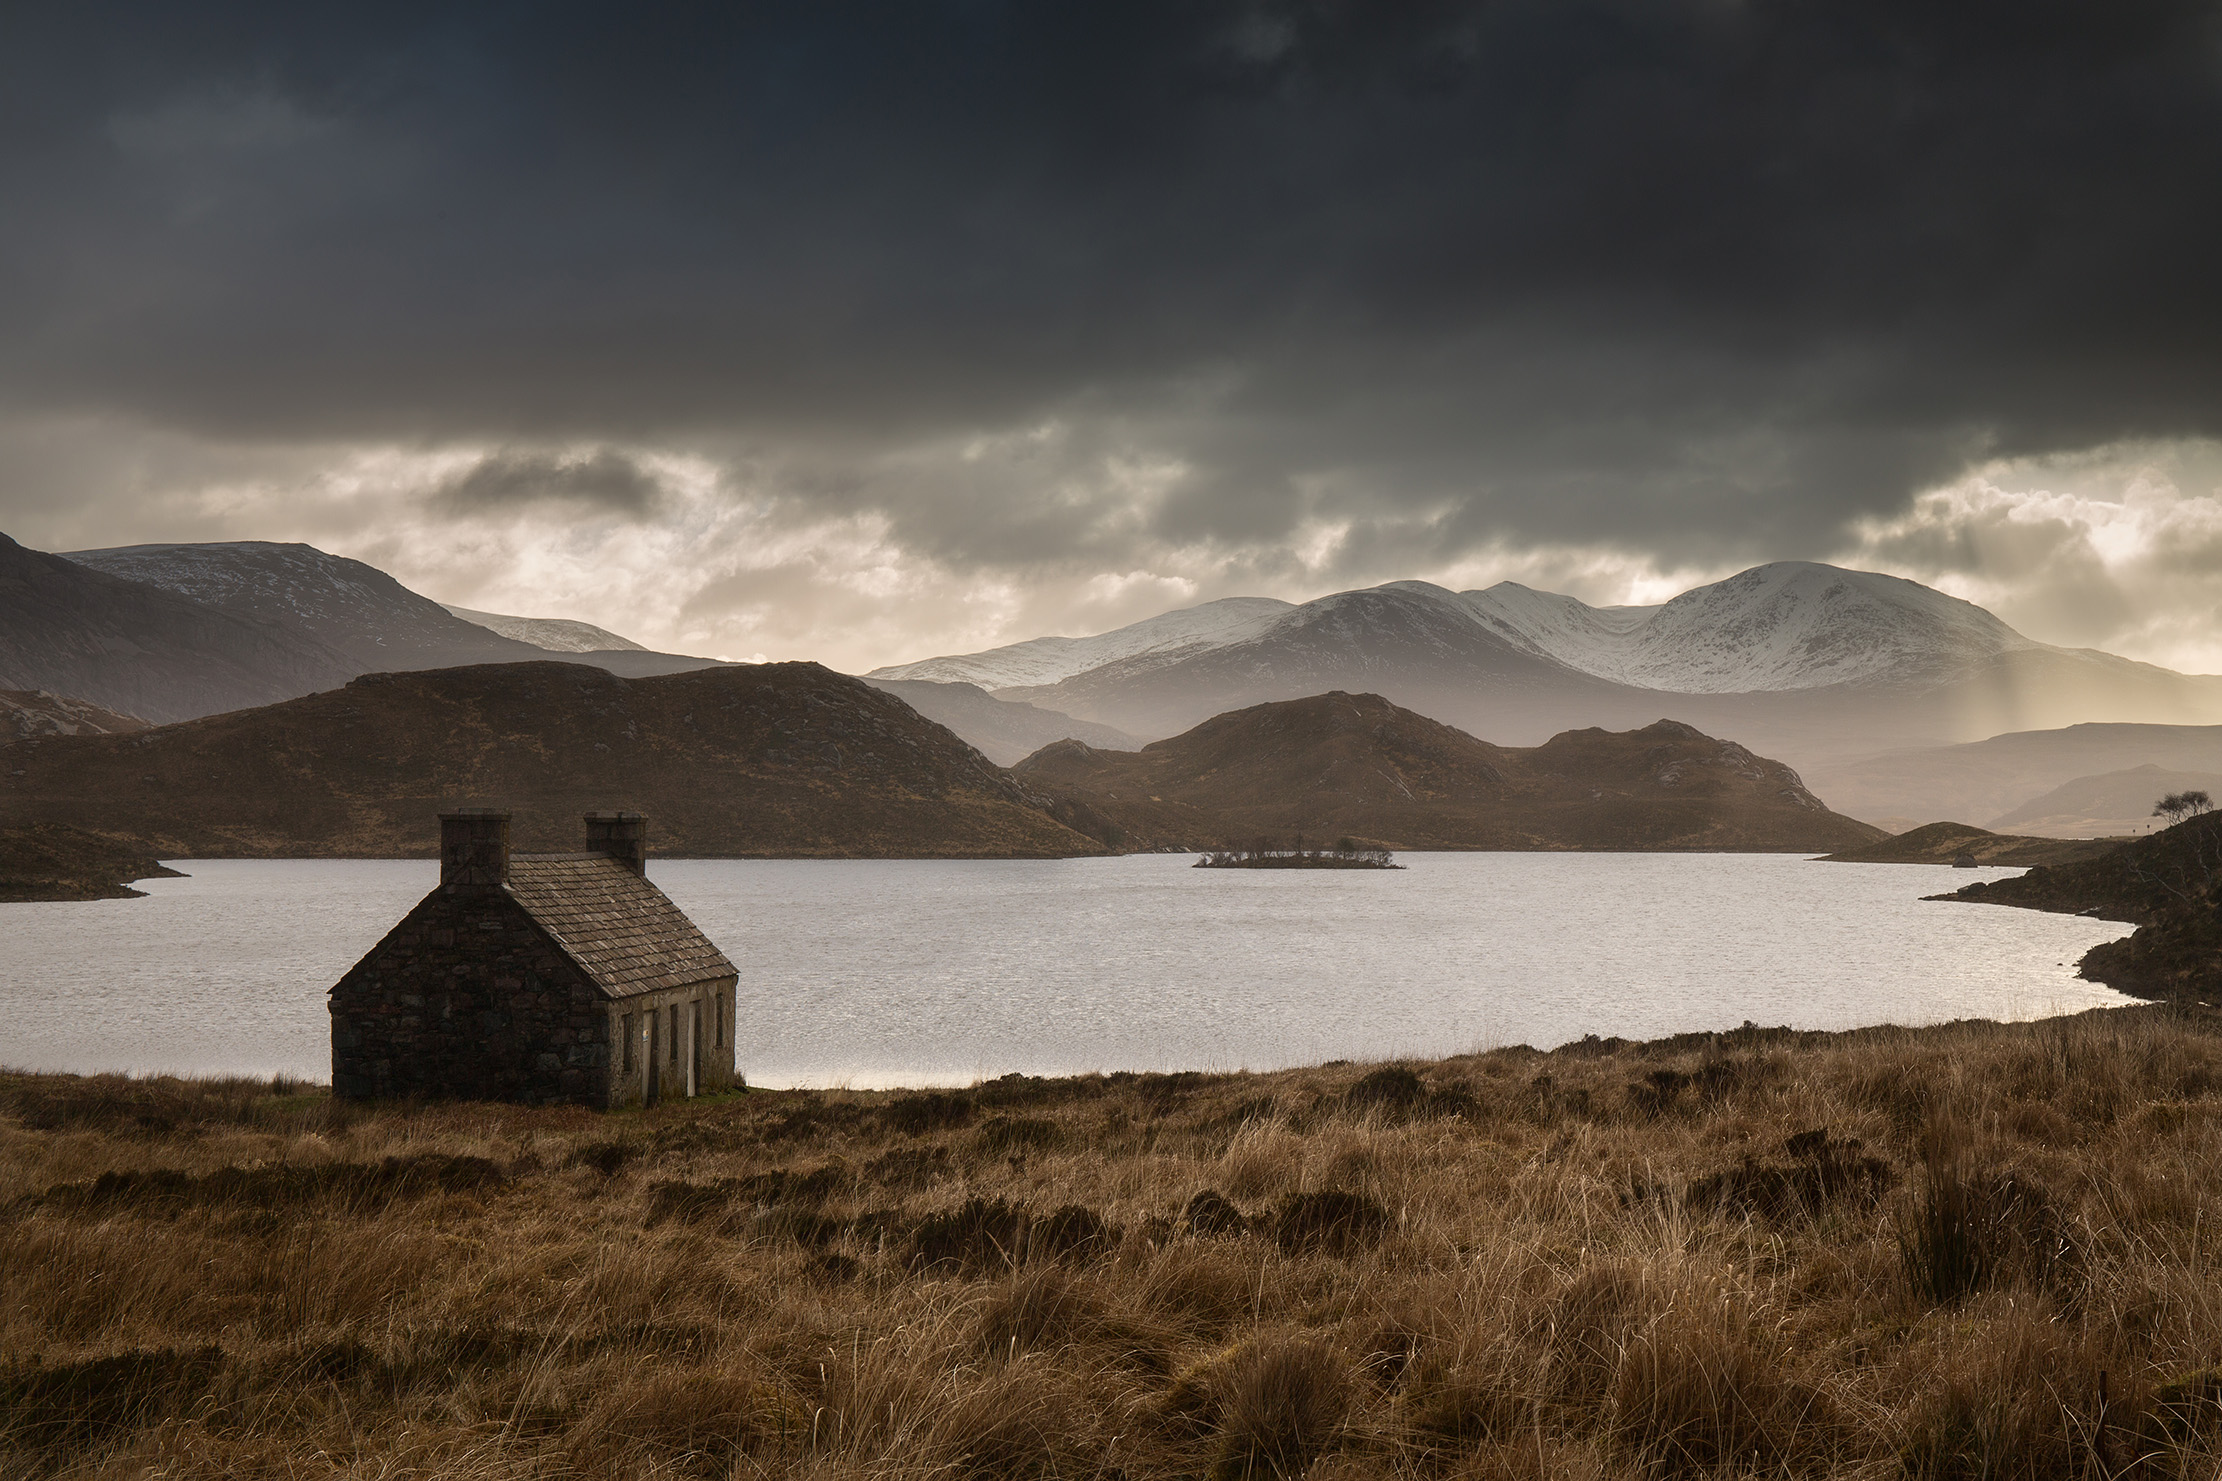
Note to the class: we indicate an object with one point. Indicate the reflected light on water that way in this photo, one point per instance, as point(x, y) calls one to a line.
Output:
point(923, 972)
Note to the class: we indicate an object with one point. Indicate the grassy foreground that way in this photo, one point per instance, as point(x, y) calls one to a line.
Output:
point(1974, 1250)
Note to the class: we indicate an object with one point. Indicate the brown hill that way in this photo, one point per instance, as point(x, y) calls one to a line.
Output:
point(51, 861)
point(783, 759)
point(1944, 843)
point(28, 712)
point(1355, 765)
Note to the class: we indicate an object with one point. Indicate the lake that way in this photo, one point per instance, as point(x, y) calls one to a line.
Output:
point(909, 972)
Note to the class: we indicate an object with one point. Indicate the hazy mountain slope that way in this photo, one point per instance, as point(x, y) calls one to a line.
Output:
point(1355, 764)
point(1947, 843)
point(1483, 684)
point(347, 605)
point(746, 760)
point(1816, 665)
point(1416, 644)
point(1047, 660)
point(1002, 730)
point(1994, 777)
point(553, 634)
point(2110, 803)
point(142, 650)
point(28, 712)
point(356, 610)
point(1789, 625)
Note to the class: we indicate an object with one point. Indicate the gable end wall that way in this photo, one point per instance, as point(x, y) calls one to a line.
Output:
point(469, 998)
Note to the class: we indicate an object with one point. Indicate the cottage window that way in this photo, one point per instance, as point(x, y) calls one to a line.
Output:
point(627, 1034)
point(674, 1033)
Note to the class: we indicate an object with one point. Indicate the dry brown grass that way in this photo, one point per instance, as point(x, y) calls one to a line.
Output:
point(1970, 1251)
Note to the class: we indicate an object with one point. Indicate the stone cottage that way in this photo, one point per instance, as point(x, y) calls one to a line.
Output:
point(538, 978)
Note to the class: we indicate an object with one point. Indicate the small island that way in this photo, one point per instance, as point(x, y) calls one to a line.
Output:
point(1348, 854)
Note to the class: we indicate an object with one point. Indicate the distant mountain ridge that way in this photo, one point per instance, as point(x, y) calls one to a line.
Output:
point(1999, 778)
point(172, 632)
point(1808, 662)
point(1004, 731)
point(357, 609)
point(1167, 636)
point(144, 650)
point(321, 620)
point(1355, 764)
point(2113, 802)
point(1789, 625)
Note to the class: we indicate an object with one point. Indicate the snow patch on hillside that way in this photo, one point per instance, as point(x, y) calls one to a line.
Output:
point(1790, 625)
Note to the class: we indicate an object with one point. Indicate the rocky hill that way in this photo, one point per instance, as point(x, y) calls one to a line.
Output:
point(52, 861)
point(1356, 765)
point(28, 712)
point(737, 761)
point(2169, 884)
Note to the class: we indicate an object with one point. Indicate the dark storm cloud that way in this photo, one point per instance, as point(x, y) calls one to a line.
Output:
point(606, 481)
point(1676, 270)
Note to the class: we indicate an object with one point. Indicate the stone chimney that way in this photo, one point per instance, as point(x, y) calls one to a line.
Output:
point(474, 848)
point(621, 835)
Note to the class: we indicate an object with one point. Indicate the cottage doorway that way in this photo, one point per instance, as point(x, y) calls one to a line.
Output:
point(694, 1065)
point(655, 1044)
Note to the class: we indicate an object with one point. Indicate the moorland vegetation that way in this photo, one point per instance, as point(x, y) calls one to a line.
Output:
point(1966, 1251)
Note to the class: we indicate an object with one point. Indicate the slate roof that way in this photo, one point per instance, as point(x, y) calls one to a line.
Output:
point(624, 931)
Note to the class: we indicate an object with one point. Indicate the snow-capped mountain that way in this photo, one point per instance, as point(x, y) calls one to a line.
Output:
point(1808, 662)
point(352, 607)
point(1167, 636)
point(142, 650)
point(1790, 625)
point(345, 605)
point(551, 634)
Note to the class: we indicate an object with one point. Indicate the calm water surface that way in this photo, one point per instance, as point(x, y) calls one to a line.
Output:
point(874, 973)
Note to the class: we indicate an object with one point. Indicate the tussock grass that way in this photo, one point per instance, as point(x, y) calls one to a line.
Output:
point(1968, 1251)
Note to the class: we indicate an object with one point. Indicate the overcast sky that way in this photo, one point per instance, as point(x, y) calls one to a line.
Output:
point(863, 332)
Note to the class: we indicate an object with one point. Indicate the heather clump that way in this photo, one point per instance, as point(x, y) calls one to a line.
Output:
point(1971, 1250)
